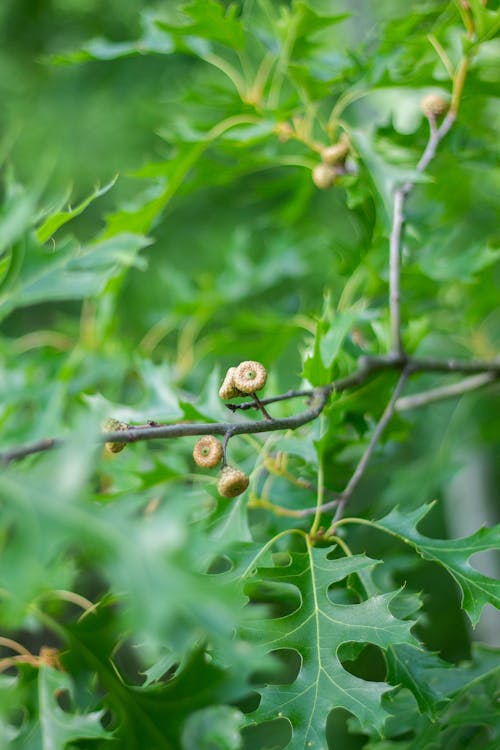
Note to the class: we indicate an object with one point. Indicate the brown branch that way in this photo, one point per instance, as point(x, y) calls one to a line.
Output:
point(305, 392)
point(21, 451)
point(367, 367)
point(365, 458)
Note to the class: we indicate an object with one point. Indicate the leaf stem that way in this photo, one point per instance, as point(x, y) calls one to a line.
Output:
point(269, 544)
point(319, 497)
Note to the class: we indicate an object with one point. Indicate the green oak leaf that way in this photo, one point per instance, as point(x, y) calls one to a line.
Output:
point(453, 554)
point(58, 727)
point(213, 728)
point(155, 715)
point(69, 272)
point(316, 630)
point(55, 219)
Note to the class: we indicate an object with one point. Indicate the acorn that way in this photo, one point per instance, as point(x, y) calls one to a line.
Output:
point(228, 389)
point(114, 425)
point(250, 377)
point(434, 105)
point(336, 153)
point(208, 452)
point(284, 131)
point(232, 482)
point(324, 175)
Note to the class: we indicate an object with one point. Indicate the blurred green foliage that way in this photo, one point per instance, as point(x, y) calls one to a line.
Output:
point(129, 298)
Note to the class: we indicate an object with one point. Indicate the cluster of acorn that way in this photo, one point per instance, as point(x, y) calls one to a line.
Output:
point(332, 163)
point(333, 157)
point(208, 453)
point(243, 380)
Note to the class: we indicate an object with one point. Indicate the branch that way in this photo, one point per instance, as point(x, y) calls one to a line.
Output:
point(21, 451)
point(411, 402)
point(431, 364)
point(365, 459)
point(435, 137)
point(186, 429)
point(447, 391)
point(367, 367)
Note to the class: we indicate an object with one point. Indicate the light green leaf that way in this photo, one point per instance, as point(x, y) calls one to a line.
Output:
point(58, 727)
point(56, 220)
point(208, 19)
point(453, 554)
point(69, 271)
point(213, 728)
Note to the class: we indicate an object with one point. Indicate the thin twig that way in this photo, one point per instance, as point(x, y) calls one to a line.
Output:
point(398, 220)
point(21, 451)
point(447, 391)
point(365, 459)
point(436, 135)
point(394, 272)
point(261, 406)
point(224, 447)
point(270, 400)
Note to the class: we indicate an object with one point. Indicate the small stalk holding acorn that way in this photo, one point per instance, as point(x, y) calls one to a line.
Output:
point(244, 380)
point(208, 452)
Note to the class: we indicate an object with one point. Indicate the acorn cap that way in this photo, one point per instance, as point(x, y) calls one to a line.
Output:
point(337, 152)
point(434, 105)
point(114, 425)
point(324, 175)
point(228, 389)
point(208, 451)
point(232, 482)
point(250, 376)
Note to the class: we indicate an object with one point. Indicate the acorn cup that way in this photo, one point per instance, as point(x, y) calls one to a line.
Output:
point(434, 105)
point(250, 377)
point(232, 482)
point(114, 425)
point(247, 378)
point(228, 389)
point(208, 452)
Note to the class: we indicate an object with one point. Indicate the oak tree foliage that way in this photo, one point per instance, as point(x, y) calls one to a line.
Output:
point(265, 151)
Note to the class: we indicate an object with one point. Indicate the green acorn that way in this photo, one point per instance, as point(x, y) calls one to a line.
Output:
point(232, 482)
point(114, 425)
